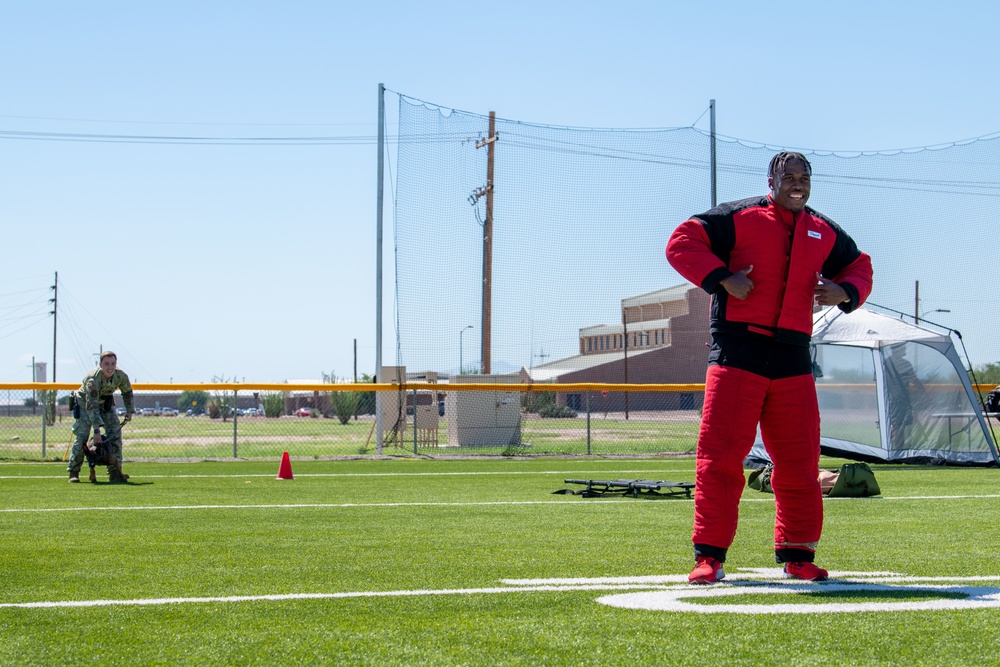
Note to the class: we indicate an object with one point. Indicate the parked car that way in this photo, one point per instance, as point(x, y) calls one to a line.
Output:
point(304, 412)
point(120, 412)
point(147, 411)
point(169, 412)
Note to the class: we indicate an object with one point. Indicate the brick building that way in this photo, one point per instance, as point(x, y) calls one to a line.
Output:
point(667, 335)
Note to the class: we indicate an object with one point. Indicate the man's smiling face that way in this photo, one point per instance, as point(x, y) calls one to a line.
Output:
point(790, 185)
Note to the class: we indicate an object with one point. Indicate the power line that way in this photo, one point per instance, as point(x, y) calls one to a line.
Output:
point(343, 140)
point(190, 123)
point(167, 139)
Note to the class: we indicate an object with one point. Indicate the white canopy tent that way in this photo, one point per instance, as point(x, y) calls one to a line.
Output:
point(893, 391)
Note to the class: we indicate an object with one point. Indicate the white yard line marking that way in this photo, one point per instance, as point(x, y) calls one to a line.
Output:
point(662, 593)
point(559, 503)
point(146, 508)
point(592, 474)
point(312, 596)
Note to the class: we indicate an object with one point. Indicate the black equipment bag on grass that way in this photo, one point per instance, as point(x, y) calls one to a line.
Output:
point(854, 480)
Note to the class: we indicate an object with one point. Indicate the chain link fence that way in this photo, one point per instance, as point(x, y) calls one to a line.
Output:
point(242, 421)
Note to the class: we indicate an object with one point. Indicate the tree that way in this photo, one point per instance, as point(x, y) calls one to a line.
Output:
point(195, 400)
point(987, 373)
point(222, 403)
point(366, 399)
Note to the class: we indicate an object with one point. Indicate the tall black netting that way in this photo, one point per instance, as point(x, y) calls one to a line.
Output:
point(582, 216)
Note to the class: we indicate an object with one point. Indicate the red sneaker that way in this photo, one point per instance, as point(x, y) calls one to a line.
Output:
point(805, 572)
point(706, 571)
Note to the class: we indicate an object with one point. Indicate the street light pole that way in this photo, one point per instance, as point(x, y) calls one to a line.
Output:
point(936, 310)
point(460, 367)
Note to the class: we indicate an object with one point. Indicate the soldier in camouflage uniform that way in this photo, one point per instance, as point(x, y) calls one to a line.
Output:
point(96, 408)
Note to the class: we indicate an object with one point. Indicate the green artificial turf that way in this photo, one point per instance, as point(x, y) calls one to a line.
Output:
point(432, 559)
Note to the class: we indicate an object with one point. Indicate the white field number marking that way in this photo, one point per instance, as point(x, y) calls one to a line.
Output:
point(710, 599)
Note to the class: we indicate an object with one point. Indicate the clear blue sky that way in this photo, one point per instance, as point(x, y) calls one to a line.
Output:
point(258, 262)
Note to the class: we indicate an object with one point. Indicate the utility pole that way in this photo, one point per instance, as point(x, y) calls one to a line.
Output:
point(34, 394)
point(711, 105)
point(380, 167)
point(489, 142)
point(916, 302)
point(625, 337)
point(55, 307)
point(55, 393)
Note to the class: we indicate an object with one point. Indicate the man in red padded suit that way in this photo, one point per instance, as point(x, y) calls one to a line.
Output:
point(765, 261)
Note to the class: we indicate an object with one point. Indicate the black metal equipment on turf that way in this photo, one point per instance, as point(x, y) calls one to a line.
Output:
point(598, 488)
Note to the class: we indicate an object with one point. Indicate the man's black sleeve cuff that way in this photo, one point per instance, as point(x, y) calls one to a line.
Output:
point(852, 294)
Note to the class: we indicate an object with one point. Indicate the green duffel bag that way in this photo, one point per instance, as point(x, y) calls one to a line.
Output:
point(855, 480)
point(760, 479)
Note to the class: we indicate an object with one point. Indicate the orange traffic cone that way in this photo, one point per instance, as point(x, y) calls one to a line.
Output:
point(285, 471)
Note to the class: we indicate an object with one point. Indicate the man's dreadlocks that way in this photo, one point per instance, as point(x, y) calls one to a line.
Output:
point(779, 160)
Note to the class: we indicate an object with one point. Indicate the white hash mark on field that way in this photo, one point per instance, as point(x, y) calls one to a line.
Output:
point(664, 593)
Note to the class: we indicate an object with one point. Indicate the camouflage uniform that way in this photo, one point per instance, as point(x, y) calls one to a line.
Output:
point(92, 397)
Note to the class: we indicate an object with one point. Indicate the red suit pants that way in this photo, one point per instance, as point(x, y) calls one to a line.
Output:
point(788, 413)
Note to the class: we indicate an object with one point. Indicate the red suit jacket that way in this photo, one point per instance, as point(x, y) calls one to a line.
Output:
point(786, 251)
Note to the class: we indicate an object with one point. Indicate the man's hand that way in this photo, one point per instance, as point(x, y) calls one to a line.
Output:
point(829, 293)
point(738, 284)
point(128, 416)
point(97, 439)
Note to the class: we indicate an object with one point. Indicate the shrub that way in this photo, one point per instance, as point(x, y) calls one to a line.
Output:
point(537, 401)
point(557, 411)
point(274, 403)
point(343, 403)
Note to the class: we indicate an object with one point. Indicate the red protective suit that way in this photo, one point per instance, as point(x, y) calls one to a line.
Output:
point(759, 367)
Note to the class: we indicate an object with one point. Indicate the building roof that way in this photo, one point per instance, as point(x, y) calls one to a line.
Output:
point(675, 293)
point(552, 371)
point(644, 325)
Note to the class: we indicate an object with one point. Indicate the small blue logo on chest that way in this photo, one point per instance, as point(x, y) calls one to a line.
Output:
point(814, 235)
